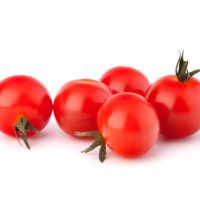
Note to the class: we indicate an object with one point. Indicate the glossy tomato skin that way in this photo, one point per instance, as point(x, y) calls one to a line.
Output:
point(177, 105)
point(125, 79)
point(77, 104)
point(128, 124)
point(23, 96)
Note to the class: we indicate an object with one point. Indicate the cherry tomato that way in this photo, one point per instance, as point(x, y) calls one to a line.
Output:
point(127, 123)
point(25, 106)
point(125, 79)
point(177, 102)
point(77, 104)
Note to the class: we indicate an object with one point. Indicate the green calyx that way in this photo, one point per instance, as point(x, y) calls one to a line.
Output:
point(21, 128)
point(182, 72)
point(99, 141)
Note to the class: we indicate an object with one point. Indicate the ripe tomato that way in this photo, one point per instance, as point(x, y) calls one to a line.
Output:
point(125, 79)
point(25, 106)
point(77, 104)
point(127, 123)
point(177, 102)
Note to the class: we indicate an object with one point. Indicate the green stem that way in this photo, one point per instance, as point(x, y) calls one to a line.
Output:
point(99, 141)
point(21, 128)
point(182, 72)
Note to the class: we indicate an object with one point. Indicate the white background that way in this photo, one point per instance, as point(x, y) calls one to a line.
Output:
point(57, 41)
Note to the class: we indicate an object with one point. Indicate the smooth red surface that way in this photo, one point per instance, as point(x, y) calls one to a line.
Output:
point(177, 104)
point(129, 124)
point(125, 79)
point(23, 96)
point(77, 104)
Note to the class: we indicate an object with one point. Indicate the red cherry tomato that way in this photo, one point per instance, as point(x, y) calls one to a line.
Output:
point(128, 124)
point(125, 79)
point(177, 102)
point(25, 106)
point(77, 104)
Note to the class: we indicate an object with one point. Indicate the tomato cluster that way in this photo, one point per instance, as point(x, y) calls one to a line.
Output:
point(121, 110)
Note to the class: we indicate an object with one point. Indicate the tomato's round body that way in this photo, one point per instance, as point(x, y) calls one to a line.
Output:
point(23, 96)
point(128, 124)
point(125, 79)
point(77, 104)
point(177, 105)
